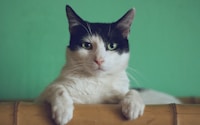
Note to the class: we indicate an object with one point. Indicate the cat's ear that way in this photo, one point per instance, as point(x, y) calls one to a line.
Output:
point(124, 23)
point(73, 18)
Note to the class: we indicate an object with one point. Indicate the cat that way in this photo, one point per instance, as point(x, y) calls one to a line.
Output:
point(95, 70)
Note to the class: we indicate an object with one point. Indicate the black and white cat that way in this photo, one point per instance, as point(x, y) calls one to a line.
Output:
point(95, 72)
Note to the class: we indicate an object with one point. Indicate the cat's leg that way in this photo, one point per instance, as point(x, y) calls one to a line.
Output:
point(132, 105)
point(61, 103)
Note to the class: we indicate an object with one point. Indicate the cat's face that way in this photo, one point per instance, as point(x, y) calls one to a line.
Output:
point(98, 48)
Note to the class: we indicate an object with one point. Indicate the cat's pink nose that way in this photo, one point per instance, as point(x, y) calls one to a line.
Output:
point(99, 61)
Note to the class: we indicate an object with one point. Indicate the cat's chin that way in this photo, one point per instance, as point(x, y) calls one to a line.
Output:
point(102, 72)
point(99, 72)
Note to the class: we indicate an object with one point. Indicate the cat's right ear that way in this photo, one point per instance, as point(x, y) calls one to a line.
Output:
point(124, 23)
point(73, 18)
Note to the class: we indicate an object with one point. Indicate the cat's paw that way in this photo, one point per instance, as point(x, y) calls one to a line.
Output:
point(132, 106)
point(62, 114)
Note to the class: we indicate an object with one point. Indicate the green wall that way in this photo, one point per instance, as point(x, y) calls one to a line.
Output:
point(165, 43)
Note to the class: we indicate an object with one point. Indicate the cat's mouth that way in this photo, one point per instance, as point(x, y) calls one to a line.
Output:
point(100, 69)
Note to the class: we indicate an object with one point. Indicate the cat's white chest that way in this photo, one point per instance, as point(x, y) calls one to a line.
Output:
point(93, 90)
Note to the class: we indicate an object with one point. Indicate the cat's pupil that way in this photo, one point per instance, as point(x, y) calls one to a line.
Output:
point(86, 45)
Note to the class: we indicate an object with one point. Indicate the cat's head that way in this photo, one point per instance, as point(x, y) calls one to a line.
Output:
point(98, 48)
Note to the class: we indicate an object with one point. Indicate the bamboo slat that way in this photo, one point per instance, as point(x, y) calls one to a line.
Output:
point(28, 113)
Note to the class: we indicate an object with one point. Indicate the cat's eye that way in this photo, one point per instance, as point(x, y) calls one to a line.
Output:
point(112, 46)
point(86, 45)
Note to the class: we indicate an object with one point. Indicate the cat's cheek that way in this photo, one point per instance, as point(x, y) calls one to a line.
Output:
point(92, 67)
point(117, 62)
point(83, 53)
point(77, 56)
point(112, 61)
point(123, 60)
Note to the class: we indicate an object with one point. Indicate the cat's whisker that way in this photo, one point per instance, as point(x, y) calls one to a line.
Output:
point(75, 67)
point(71, 70)
point(79, 65)
point(131, 71)
point(133, 78)
point(89, 28)
point(86, 29)
point(134, 71)
point(109, 30)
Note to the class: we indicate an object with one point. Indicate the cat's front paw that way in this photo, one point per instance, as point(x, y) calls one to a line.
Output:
point(132, 106)
point(62, 114)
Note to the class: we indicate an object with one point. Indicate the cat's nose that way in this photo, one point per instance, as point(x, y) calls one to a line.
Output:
point(99, 61)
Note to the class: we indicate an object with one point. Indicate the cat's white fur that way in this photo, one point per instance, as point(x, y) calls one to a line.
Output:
point(83, 81)
point(156, 97)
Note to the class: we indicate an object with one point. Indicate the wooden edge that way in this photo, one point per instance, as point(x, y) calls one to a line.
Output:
point(190, 100)
point(28, 113)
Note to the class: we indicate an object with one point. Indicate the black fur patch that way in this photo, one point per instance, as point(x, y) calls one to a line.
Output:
point(107, 32)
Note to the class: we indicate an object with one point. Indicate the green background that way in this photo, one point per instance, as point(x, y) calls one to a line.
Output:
point(164, 39)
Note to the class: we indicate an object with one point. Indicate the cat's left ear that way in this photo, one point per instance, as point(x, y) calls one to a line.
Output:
point(124, 23)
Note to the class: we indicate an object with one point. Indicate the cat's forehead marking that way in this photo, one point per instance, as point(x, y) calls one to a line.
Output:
point(93, 39)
